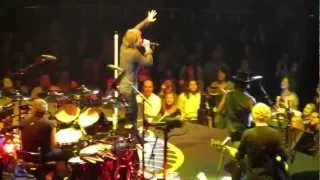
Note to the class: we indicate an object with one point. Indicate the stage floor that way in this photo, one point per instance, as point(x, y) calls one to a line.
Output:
point(190, 153)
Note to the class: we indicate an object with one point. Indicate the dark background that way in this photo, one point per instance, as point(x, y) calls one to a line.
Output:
point(34, 22)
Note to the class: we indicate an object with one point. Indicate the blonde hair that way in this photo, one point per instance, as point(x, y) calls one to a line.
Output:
point(131, 37)
point(39, 105)
point(261, 112)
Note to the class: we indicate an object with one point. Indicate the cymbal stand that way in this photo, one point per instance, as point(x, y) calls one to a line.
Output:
point(152, 155)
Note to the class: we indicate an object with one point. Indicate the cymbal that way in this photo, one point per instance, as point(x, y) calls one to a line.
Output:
point(68, 113)
point(53, 96)
point(83, 90)
point(17, 95)
point(88, 117)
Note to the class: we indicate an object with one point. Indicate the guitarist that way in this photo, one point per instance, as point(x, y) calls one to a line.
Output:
point(261, 146)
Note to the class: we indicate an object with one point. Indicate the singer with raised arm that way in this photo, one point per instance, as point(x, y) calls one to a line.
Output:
point(131, 58)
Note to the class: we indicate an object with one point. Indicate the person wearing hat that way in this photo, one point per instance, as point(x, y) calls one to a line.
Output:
point(235, 106)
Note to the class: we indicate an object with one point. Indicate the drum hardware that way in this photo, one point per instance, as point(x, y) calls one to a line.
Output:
point(166, 126)
point(19, 98)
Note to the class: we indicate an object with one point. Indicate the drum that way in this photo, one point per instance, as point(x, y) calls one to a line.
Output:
point(68, 136)
point(76, 161)
point(95, 149)
point(67, 113)
point(93, 122)
point(108, 106)
point(89, 117)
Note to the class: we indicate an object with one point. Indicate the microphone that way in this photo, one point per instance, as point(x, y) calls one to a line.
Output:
point(114, 67)
point(145, 41)
point(48, 57)
point(255, 78)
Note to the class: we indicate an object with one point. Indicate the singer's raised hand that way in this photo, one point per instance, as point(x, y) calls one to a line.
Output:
point(152, 16)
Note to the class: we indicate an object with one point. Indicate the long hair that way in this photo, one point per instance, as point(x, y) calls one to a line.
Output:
point(130, 38)
point(174, 106)
point(186, 89)
point(225, 69)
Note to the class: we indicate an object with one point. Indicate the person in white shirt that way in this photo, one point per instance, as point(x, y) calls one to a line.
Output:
point(153, 105)
point(189, 101)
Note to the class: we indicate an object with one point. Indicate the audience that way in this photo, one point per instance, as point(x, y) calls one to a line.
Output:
point(152, 106)
point(189, 101)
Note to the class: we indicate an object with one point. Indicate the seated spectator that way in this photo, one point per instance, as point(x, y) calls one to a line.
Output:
point(7, 86)
point(167, 86)
point(288, 98)
point(169, 107)
point(314, 123)
point(220, 85)
point(44, 87)
point(189, 101)
point(307, 111)
point(152, 106)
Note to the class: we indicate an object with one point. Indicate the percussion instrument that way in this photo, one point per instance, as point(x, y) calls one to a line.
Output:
point(76, 161)
point(67, 113)
point(88, 117)
point(95, 149)
point(108, 106)
point(68, 136)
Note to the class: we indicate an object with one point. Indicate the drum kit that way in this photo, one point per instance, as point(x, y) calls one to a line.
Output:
point(83, 126)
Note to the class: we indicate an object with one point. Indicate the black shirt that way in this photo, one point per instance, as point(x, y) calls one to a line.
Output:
point(237, 109)
point(261, 144)
point(35, 133)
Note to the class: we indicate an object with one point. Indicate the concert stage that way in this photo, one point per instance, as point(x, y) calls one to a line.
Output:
point(193, 141)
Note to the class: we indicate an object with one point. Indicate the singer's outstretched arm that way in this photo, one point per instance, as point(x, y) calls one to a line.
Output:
point(150, 18)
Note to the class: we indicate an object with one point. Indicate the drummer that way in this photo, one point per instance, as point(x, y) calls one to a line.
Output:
point(38, 131)
point(44, 87)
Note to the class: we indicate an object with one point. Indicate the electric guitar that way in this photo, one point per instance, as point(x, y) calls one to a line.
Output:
point(232, 151)
point(282, 168)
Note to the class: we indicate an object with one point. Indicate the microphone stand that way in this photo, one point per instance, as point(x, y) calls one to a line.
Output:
point(152, 155)
point(265, 94)
point(144, 100)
